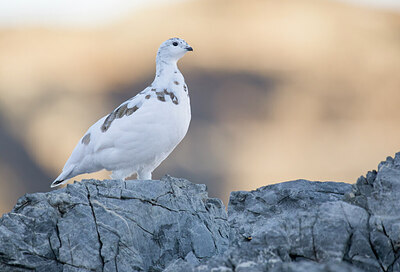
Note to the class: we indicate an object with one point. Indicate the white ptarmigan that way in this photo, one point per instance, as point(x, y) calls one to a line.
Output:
point(139, 134)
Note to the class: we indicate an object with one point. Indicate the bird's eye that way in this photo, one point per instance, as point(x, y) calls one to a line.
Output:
point(174, 43)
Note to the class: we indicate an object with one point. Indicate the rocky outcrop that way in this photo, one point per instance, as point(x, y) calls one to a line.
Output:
point(113, 226)
point(172, 225)
point(315, 226)
point(291, 226)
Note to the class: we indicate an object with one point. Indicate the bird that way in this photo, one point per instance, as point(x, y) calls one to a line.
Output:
point(141, 132)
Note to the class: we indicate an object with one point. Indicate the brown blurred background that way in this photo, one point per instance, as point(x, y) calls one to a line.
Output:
point(280, 89)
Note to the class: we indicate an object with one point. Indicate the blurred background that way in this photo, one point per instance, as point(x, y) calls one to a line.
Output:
point(280, 90)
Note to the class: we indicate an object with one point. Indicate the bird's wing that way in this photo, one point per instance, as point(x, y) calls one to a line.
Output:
point(103, 134)
point(126, 108)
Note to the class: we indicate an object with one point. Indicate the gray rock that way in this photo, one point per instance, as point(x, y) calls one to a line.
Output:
point(171, 225)
point(315, 226)
point(378, 193)
point(113, 226)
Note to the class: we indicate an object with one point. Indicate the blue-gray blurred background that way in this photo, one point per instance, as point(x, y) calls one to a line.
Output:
point(280, 89)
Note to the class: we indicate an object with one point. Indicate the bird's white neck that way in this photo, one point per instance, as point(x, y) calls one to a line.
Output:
point(166, 68)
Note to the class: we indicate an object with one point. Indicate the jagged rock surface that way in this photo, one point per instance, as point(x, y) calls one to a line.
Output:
point(297, 226)
point(113, 226)
point(314, 226)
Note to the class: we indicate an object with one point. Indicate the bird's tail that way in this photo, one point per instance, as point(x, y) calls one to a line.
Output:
point(63, 177)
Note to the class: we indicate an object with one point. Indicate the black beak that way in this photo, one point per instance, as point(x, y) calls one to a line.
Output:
point(189, 48)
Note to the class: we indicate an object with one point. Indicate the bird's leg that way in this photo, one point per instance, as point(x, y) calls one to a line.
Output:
point(144, 175)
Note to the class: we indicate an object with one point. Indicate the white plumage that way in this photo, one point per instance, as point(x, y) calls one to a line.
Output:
point(139, 134)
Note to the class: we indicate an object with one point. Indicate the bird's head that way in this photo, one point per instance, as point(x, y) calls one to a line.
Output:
point(173, 49)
